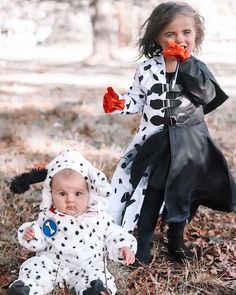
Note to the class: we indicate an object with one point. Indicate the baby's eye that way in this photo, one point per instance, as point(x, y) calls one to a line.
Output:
point(62, 194)
point(78, 194)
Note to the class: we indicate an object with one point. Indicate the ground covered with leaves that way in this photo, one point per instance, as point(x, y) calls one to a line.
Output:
point(50, 100)
point(48, 107)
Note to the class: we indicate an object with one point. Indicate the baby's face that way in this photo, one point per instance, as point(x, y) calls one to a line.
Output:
point(70, 192)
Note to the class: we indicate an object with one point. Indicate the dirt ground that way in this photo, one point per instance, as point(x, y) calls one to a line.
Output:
point(47, 107)
point(51, 100)
point(50, 106)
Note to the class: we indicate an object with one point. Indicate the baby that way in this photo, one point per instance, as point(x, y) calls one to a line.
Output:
point(73, 233)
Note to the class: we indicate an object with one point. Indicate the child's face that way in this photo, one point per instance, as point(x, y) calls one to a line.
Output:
point(70, 192)
point(181, 30)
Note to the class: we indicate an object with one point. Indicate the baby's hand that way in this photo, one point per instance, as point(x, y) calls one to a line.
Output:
point(111, 101)
point(127, 254)
point(29, 234)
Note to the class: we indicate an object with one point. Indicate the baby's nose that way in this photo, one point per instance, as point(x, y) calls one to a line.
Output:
point(69, 198)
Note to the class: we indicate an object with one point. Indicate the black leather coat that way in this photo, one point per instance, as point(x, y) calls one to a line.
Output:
point(185, 162)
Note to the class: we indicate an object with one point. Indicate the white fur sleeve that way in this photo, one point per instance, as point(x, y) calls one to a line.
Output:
point(116, 238)
point(38, 243)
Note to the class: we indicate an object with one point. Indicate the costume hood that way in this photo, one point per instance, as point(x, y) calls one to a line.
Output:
point(98, 186)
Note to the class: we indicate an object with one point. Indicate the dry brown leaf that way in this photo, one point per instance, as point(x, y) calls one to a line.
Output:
point(6, 279)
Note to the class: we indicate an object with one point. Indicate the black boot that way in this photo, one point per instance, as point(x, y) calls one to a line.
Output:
point(96, 288)
point(176, 246)
point(143, 255)
point(19, 288)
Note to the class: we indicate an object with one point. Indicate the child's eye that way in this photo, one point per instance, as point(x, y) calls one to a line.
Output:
point(78, 194)
point(187, 32)
point(62, 194)
point(169, 34)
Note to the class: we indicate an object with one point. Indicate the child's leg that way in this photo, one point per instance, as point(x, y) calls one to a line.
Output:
point(92, 280)
point(176, 245)
point(147, 223)
point(38, 275)
point(25, 287)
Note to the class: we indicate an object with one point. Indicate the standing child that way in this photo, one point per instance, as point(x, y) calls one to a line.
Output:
point(172, 158)
point(73, 232)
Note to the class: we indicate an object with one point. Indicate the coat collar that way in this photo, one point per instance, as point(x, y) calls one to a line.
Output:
point(157, 67)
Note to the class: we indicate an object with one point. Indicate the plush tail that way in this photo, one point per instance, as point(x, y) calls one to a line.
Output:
point(21, 183)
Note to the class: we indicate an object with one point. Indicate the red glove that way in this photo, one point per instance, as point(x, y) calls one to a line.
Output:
point(175, 50)
point(111, 101)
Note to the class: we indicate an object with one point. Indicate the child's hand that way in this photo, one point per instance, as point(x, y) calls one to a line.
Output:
point(175, 50)
point(29, 234)
point(127, 254)
point(111, 101)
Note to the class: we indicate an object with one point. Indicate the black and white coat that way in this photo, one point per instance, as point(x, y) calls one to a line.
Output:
point(125, 203)
point(73, 249)
point(136, 101)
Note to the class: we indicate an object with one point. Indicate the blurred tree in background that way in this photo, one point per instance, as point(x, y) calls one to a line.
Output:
point(104, 25)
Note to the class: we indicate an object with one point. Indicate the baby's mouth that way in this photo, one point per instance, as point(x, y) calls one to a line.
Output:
point(70, 208)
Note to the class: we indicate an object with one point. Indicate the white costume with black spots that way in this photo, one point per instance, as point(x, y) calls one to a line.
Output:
point(136, 101)
point(74, 250)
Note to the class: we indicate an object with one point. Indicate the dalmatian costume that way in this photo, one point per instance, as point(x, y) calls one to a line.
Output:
point(72, 249)
point(148, 95)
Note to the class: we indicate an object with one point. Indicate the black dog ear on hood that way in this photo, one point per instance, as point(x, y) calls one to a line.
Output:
point(21, 183)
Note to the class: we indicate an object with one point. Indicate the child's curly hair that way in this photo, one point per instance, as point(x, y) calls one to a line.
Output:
point(160, 17)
